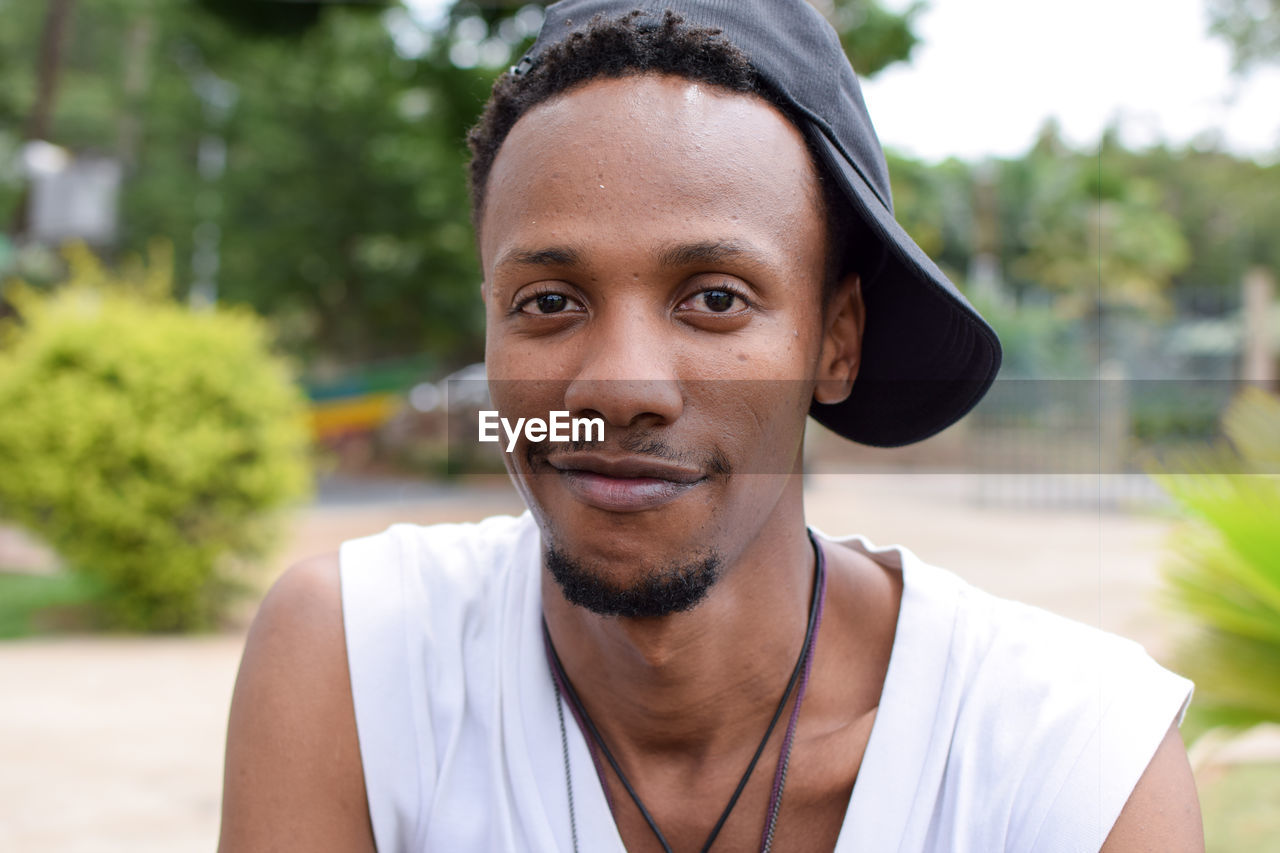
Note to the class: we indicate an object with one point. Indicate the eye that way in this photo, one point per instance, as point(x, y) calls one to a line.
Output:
point(715, 300)
point(718, 301)
point(546, 303)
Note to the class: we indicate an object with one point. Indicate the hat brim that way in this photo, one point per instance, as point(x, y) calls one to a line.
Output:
point(927, 356)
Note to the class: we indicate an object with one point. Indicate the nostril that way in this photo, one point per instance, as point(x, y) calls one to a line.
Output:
point(623, 402)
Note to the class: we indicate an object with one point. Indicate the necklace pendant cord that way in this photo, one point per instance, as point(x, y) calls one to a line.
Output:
point(799, 676)
point(568, 774)
point(788, 740)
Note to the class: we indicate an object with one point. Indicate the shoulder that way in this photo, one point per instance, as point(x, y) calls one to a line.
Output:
point(293, 775)
point(429, 615)
point(1163, 812)
point(1044, 734)
point(1068, 723)
point(436, 585)
point(1019, 657)
point(449, 559)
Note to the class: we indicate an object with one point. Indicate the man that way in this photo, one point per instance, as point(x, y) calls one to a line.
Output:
point(685, 231)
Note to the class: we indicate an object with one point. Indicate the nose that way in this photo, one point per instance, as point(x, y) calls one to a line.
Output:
point(626, 374)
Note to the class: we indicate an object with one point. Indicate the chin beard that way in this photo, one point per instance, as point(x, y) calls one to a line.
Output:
point(673, 589)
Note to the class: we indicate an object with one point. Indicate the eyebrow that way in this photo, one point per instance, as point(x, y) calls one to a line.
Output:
point(676, 256)
point(552, 256)
point(708, 252)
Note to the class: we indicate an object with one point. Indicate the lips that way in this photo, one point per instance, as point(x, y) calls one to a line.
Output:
point(624, 483)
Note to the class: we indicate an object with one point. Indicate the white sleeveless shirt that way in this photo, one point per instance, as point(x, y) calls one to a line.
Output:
point(1001, 727)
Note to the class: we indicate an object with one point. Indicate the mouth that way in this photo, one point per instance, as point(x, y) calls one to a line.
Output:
point(624, 483)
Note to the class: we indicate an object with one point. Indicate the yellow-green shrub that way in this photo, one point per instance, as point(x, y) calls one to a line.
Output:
point(147, 443)
point(1225, 569)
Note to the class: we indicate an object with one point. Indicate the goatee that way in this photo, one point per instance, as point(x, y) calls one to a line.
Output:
point(673, 589)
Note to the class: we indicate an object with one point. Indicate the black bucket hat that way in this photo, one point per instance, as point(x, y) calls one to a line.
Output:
point(927, 356)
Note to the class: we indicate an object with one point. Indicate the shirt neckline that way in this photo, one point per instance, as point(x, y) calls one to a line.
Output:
point(900, 758)
point(899, 753)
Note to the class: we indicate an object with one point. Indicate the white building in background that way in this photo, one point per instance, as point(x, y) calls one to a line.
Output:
point(72, 197)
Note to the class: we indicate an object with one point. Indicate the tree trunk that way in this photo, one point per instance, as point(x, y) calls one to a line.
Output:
point(136, 80)
point(57, 20)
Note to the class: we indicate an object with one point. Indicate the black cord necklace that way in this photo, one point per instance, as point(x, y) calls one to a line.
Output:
point(564, 685)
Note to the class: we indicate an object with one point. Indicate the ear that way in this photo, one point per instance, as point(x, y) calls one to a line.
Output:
point(845, 319)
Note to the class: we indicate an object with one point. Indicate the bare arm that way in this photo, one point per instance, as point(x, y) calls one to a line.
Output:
point(293, 778)
point(1163, 812)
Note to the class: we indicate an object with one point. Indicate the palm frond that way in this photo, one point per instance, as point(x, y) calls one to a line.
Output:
point(1224, 572)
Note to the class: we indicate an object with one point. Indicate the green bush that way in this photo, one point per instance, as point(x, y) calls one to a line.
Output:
point(148, 444)
point(1225, 573)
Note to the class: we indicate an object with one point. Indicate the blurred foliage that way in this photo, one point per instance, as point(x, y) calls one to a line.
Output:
point(342, 213)
point(1038, 341)
point(873, 37)
point(1106, 229)
point(256, 18)
point(1226, 208)
point(935, 204)
point(1225, 572)
point(154, 442)
point(37, 603)
point(1251, 27)
point(1084, 230)
point(1174, 414)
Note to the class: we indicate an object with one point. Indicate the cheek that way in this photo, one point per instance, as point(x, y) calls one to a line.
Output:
point(789, 346)
point(508, 355)
point(756, 424)
point(526, 398)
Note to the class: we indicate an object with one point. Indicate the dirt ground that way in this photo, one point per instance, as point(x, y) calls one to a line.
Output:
point(115, 744)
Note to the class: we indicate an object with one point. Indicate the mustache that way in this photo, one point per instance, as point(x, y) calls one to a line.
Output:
point(712, 462)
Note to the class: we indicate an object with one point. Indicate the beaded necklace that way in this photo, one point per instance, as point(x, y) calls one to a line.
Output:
point(798, 681)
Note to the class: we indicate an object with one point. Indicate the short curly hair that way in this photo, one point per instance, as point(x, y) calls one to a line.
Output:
point(635, 44)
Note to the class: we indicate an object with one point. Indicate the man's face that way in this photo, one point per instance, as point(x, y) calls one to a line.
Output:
point(653, 255)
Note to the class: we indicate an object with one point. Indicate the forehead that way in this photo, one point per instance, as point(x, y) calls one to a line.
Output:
point(652, 159)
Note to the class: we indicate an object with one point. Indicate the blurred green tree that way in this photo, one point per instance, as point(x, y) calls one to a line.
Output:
point(1088, 230)
point(255, 18)
point(1251, 27)
point(873, 37)
point(342, 206)
point(1226, 206)
point(935, 203)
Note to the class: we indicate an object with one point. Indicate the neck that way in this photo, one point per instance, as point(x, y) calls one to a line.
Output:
point(701, 683)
